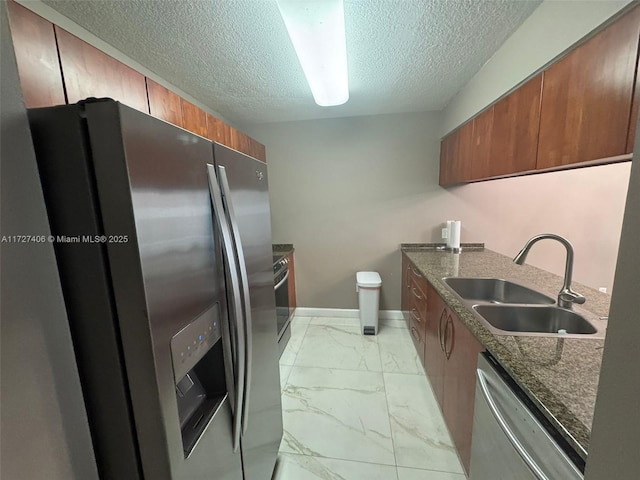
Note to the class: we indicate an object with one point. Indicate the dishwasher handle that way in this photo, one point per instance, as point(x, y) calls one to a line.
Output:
point(484, 387)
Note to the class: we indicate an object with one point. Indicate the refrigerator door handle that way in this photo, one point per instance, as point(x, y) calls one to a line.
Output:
point(237, 242)
point(227, 247)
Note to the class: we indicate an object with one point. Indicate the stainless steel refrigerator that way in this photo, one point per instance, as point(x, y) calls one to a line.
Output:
point(163, 243)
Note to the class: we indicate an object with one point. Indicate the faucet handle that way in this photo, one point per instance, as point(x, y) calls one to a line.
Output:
point(567, 297)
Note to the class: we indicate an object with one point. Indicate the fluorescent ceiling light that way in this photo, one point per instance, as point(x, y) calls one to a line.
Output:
point(316, 29)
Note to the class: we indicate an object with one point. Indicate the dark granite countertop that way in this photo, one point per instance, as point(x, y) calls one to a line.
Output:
point(282, 248)
point(559, 375)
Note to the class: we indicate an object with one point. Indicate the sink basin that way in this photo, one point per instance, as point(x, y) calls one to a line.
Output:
point(543, 320)
point(495, 290)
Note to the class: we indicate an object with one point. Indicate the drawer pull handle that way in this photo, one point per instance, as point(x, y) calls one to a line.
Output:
point(416, 294)
point(448, 351)
point(414, 333)
point(415, 316)
point(443, 316)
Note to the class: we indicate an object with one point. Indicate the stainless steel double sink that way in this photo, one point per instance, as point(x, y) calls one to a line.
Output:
point(508, 308)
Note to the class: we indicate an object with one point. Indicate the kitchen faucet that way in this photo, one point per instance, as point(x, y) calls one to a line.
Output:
point(566, 297)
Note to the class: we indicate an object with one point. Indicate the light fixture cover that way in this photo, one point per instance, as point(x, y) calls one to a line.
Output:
point(316, 29)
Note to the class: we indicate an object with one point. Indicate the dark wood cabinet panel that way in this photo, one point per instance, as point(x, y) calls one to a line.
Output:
point(292, 284)
point(481, 145)
point(258, 150)
point(434, 359)
point(164, 104)
point(456, 155)
point(586, 99)
point(417, 310)
point(449, 355)
point(218, 131)
point(89, 72)
point(514, 132)
point(447, 148)
point(462, 350)
point(194, 119)
point(633, 118)
point(36, 53)
point(239, 141)
point(405, 288)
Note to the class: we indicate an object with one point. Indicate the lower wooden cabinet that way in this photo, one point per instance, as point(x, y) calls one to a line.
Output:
point(461, 353)
point(451, 358)
point(449, 354)
point(292, 284)
point(414, 292)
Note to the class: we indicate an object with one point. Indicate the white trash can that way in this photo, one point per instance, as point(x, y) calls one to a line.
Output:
point(368, 288)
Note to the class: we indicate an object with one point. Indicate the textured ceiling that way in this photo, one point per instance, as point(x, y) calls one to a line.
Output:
point(235, 56)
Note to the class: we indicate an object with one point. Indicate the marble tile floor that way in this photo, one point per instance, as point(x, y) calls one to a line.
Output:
point(359, 407)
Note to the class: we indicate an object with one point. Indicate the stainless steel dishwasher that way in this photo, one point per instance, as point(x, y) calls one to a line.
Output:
point(509, 439)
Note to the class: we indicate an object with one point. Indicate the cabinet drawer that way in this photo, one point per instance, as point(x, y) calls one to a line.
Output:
point(417, 335)
point(416, 280)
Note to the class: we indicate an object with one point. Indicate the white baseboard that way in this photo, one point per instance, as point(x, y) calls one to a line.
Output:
point(345, 313)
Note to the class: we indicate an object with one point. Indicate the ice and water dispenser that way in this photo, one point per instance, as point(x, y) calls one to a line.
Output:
point(199, 373)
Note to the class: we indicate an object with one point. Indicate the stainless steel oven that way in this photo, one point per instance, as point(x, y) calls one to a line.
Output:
point(281, 287)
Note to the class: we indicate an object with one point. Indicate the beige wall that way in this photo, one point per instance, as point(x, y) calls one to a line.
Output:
point(346, 193)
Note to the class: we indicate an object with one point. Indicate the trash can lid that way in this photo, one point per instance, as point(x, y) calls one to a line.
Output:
point(368, 279)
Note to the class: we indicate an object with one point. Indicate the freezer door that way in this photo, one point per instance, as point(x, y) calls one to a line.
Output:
point(248, 194)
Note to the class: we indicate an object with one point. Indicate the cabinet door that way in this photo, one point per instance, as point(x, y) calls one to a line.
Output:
point(218, 131)
point(481, 145)
point(292, 285)
point(462, 350)
point(194, 119)
point(258, 150)
point(417, 314)
point(514, 133)
point(456, 156)
point(586, 97)
point(164, 104)
point(433, 353)
point(36, 53)
point(88, 72)
point(447, 149)
point(633, 119)
point(405, 288)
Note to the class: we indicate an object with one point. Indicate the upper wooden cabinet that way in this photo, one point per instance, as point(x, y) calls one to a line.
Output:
point(633, 119)
point(218, 131)
point(193, 118)
point(461, 353)
point(586, 98)
point(514, 131)
point(456, 153)
point(583, 108)
point(34, 43)
point(164, 104)
point(56, 67)
point(481, 144)
point(89, 72)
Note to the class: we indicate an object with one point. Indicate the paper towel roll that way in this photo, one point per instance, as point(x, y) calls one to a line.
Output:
point(449, 225)
point(454, 234)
